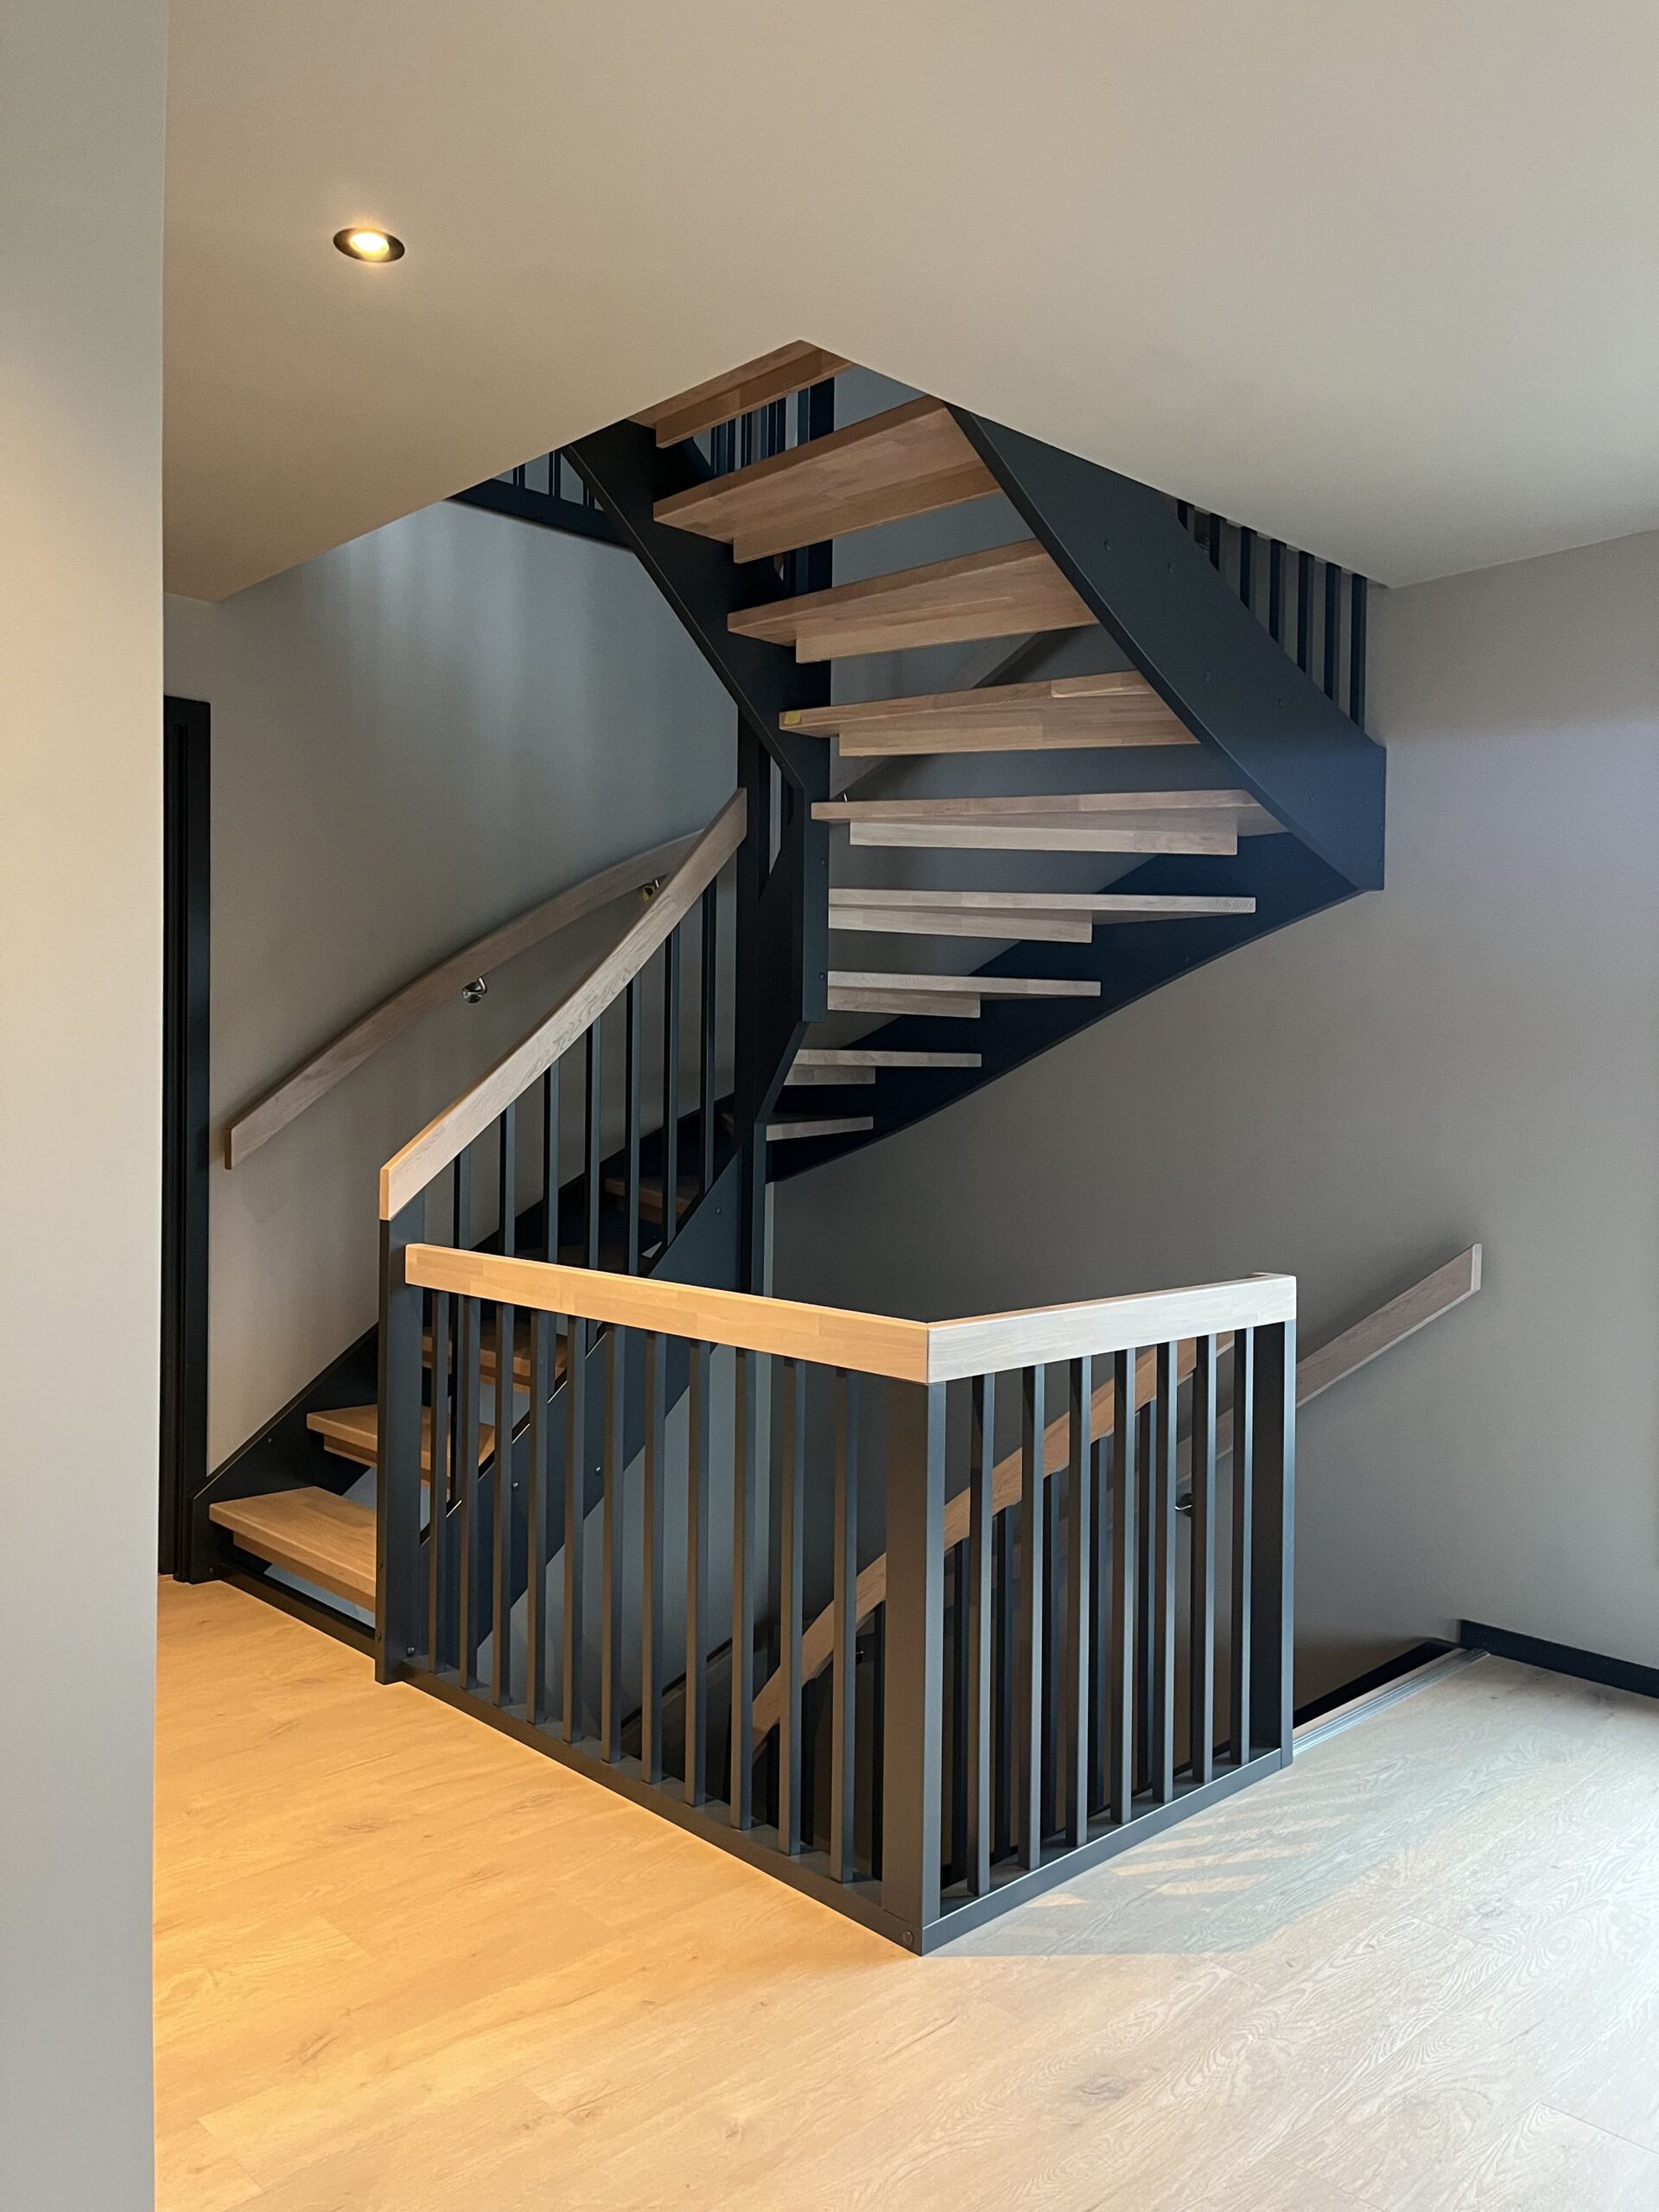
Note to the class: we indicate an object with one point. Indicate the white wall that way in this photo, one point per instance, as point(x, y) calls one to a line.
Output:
point(1471, 1053)
point(82, 90)
point(414, 737)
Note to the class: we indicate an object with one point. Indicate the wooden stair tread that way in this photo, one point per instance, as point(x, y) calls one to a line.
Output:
point(520, 1355)
point(799, 1078)
point(986, 986)
point(1097, 905)
point(1042, 834)
point(753, 384)
point(1038, 806)
point(844, 1125)
point(1000, 593)
point(856, 1056)
point(1001, 922)
point(1115, 708)
point(310, 1532)
point(945, 1005)
point(353, 1433)
point(909, 460)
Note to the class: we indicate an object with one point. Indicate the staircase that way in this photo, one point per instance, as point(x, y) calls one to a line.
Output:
point(1136, 772)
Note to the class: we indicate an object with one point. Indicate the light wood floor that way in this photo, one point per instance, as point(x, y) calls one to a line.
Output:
point(402, 1963)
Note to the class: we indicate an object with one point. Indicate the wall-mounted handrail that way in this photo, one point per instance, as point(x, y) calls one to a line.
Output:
point(408, 1171)
point(833, 1335)
point(317, 1073)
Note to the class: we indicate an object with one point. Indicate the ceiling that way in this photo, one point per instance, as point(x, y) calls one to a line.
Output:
point(1381, 279)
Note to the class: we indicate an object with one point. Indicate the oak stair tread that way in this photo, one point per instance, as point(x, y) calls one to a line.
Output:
point(1003, 593)
point(1115, 708)
point(310, 1532)
point(353, 1433)
point(858, 1055)
point(771, 376)
point(944, 1006)
point(520, 1355)
point(652, 1207)
point(1099, 906)
point(1045, 832)
point(1012, 922)
point(990, 987)
point(1161, 809)
point(911, 461)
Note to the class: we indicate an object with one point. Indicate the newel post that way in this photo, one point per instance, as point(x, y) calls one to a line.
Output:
point(397, 1504)
point(914, 1704)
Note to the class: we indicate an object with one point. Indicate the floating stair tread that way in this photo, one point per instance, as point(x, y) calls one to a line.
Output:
point(844, 1125)
point(1115, 708)
point(1042, 834)
point(854, 1056)
point(945, 1005)
point(310, 1532)
point(982, 922)
point(911, 461)
point(987, 986)
point(751, 384)
point(799, 1078)
point(1099, 906)
point(1040, 806)
point(354, 1432)
point(1002, 592)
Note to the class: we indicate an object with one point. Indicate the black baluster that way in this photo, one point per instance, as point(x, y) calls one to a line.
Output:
point(438, 1488)
point(650, 1565)
point(843, 1708)
point(1146, 1523)
point(1080, 1545)
point(980, 1522)
point(1163, 1649)
point(1247, 567)
point(592, 1140)
point(1333, 633)
point(1276, 590)
point(1215, 537)
point(1356, 651)
point(1304, 610)
point(577, 1339)
point(1032, 1585)
point(474, 1559)
point(670, 1088)
point(792, 1626)
point(1125, 1554)
point(1243, 1532)
point(708, 1074)
point(610, 1626)
point(631, 1135)
point(752, 1374)
point(696, 1575)
point(506, 1396)
point(1201, 1604)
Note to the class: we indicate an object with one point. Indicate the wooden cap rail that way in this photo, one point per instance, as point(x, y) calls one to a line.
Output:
point(832, 1336)
point(408, 1173)
point(316, 1075)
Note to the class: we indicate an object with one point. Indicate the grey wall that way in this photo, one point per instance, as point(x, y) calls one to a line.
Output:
point(82, 97)
point(1471, 1053)
point(414, 737)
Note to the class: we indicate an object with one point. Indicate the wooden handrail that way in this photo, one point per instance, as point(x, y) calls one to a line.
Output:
point(316, 1075)
point(833, 1336)
point(408, 1173)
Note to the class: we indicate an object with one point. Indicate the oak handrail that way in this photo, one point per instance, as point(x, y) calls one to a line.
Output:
point(317, 1074)
point(835, 1336)
point(407, 1173)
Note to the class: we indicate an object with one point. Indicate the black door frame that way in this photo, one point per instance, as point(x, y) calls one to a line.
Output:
point(187, 922)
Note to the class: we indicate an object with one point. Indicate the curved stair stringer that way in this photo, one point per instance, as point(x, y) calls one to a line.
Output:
point(1268, 726)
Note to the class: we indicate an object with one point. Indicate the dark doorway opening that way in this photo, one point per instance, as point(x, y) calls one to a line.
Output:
point(185, 1009)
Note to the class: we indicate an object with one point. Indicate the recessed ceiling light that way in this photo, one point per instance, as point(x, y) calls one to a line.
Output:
point(364, 242)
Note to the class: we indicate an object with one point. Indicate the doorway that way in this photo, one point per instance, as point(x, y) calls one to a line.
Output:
point(187, 920)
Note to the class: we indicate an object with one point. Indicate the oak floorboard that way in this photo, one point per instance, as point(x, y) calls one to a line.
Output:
point(403, 1961)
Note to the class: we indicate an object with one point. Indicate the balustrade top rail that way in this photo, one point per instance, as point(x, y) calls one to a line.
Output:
point(870, 1344)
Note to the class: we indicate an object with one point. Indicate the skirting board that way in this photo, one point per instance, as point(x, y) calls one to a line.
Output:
point(1560, 1658)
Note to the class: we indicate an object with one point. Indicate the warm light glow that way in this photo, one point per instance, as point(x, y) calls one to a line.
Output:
point(364, 243)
